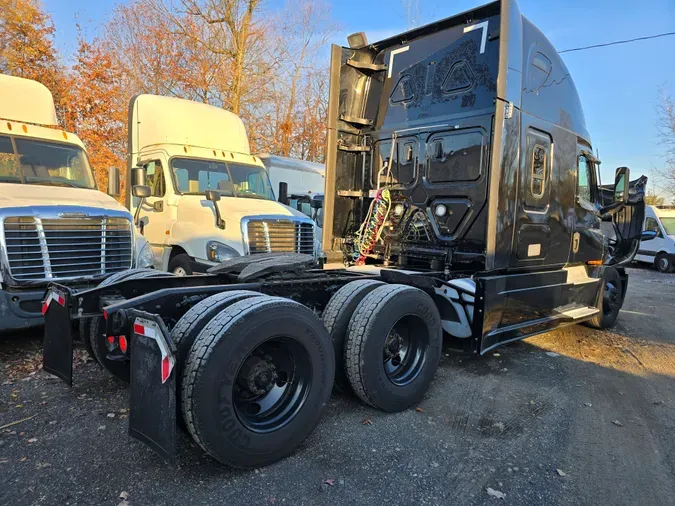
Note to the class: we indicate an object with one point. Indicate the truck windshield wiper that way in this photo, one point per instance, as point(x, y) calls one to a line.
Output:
point(251, 196)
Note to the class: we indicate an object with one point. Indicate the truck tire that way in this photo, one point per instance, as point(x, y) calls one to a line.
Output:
point(393, 347)
point(180, 265)
point(85, 323)
point(257, 380)
point(336, 318)
point(664, 263)
point(610, 300)
point(98, 343)
point(191, 324)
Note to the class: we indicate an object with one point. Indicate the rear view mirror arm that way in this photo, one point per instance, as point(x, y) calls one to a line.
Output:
point(214, 197)
point(220, 222)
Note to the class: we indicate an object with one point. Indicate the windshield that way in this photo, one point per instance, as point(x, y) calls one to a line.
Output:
point(669, 225)
point(43, 163)
point(194, 176)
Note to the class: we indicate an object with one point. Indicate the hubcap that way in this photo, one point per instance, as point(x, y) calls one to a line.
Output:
point(405, 350)
point(272, 384)
point(663, 264)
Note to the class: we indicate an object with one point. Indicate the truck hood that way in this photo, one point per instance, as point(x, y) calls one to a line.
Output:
point(24, 195)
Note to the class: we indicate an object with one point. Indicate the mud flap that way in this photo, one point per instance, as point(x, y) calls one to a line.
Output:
point(57, 354)
point(152, 416)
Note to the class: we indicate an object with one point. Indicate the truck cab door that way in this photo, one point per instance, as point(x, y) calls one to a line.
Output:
point(587, 237)
point(629, 217)
point(153, 214)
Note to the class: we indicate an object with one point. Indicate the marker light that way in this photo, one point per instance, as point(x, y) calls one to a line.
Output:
point(441, 210)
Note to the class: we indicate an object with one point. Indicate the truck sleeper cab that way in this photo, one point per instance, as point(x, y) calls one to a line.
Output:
point(461, 200)
point(54, 223)
point(180, 149)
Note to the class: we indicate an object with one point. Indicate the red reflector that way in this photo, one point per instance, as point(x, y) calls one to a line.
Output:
point(123, 344)
point(44, 307)
point(111, 339)
point(105, 314)
point(166, 368)
point(139, 329)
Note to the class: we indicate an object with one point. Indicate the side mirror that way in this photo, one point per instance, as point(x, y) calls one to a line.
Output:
point(141, 191)
point(648, 235)
point(138, 176)
point(317, 203)
point(283, 192)
point(621, 180)
point(114, 182)
point(212, 195)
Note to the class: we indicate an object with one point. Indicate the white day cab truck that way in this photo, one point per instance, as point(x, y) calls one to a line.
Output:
point(55, 225)
point(208, 198)
point(660, 250)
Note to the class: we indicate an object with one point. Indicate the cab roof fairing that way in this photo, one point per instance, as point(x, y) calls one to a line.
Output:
point(520, 39)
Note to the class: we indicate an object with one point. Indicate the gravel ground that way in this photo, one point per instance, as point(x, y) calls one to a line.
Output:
point(575, 416)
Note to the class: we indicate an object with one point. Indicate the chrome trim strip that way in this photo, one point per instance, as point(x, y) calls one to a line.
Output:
point(103, 231)
point(46, 262)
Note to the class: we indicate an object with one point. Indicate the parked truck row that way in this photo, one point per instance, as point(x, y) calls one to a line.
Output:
point(58, 225)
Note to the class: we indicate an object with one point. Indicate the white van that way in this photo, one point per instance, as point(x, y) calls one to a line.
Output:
point(54, 223)
point(661, 250)
point(209, 198)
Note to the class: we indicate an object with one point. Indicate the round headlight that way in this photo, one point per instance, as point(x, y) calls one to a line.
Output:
point(441, 210)
point(398, 209)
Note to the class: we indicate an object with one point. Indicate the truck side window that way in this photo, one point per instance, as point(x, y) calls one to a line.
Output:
point(154, 178)
point(584, 179)
point(651, 224)
point(9, 170)
point(538, 180)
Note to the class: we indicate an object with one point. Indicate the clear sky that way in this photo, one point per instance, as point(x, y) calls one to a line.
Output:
point(618, 85)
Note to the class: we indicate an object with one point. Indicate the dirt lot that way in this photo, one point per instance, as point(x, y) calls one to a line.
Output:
point(575, 416)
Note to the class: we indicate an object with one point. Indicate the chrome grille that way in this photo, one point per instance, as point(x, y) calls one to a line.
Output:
point(39, 249)
point(280, 236)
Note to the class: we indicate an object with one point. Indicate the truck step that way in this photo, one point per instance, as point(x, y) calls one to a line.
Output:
point(578, 312)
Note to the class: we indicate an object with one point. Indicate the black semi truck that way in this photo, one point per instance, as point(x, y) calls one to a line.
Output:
point(461, 200)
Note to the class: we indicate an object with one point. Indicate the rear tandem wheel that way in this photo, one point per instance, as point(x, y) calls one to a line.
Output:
point(257, 380)
point(393, 347)
point(336, 316)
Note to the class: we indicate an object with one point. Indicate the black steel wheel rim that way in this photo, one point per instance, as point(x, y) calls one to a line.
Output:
point(611, 299)
point(405, 350)
point(272, 384)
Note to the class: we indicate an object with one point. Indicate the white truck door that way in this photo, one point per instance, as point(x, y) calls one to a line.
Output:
point(154, 212)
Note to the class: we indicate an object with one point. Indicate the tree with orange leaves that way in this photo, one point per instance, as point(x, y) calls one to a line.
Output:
point(27, 47)
point(97, 108)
